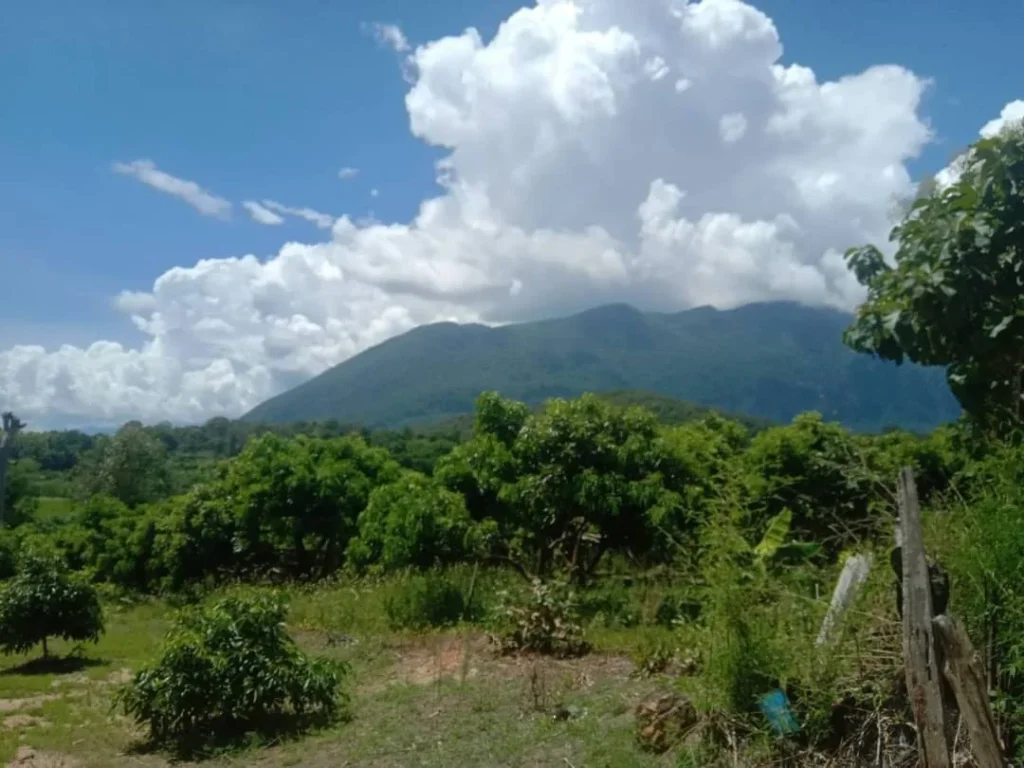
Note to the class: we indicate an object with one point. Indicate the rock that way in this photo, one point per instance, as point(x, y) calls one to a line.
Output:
point(663, 719)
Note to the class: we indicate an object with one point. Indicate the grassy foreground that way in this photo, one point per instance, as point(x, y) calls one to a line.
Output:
point(427, 699)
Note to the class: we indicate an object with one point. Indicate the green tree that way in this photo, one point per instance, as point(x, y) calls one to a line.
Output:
point(297, 501)
point(131, 466)
point(954, 295)
point(820, 473)
point(194, 538)
point(19, 492)
point(412, 522)
point(44, 601)
point(567, 484)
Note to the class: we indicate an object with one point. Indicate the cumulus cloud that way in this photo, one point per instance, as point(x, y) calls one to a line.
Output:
point(348, 173)
point(392, 36)
point(1011, 116)
point(203, 201)
point(262, 215)
point(650, 151)
point(322, 220)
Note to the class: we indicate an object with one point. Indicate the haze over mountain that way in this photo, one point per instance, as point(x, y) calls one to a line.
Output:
point(772, 360)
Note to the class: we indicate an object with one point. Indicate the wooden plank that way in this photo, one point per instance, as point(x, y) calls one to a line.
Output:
point(920, 662)
point(965, 672)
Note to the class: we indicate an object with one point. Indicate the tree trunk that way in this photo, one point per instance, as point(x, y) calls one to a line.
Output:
point(3, 480)
point(46, 650)
point(11, 427)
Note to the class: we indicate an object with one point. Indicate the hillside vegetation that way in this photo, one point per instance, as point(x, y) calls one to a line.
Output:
point(770, 361)
point(575, 583)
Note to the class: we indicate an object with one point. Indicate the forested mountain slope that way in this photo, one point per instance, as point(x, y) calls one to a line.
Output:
point(769, 360)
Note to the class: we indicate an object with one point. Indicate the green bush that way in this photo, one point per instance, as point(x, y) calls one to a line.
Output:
point(980, 543)
point(431, 599)
point(227, 669)
point(543, 620)
point(44, 601)
point(609, 604)
point(819, 472)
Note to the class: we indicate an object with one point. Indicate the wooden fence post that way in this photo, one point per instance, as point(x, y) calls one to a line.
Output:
point(966, 675)
point(923, 686)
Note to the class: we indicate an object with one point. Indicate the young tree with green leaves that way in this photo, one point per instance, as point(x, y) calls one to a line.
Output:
point(954, 292)
point(44, 601)
point(227, 668)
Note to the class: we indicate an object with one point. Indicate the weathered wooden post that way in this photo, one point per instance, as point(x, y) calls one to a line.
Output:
point(965, 673)
point(921, 666)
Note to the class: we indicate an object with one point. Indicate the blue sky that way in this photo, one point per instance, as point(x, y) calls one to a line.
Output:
point(268, 100)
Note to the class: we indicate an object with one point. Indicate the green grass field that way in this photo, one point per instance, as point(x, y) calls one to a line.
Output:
point(434, 699)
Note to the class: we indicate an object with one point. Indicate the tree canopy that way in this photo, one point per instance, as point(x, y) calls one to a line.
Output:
point(954, 294)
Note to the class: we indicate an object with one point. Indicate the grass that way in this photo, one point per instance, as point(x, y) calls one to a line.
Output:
point(436, 698)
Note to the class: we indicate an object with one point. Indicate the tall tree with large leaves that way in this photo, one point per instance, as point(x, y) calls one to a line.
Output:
point(954, 294)
point(131, 466)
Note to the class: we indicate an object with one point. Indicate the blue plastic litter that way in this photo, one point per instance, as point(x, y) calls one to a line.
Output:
point(775, 706)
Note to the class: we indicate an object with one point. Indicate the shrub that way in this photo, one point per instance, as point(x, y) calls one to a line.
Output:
point(819, 472)
point(980, 543)
point(44, 601)
point(544, 620)
point(609, 604)
point(432, 599)
point(653, 656)
point(230, 668)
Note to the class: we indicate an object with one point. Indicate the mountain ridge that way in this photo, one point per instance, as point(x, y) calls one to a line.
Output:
point(770, 360)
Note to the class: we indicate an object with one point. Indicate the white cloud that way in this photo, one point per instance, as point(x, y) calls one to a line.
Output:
point(322, 220)
point(585, 163)
point(374, 192)
point(348, 173)
point(203, 201)
point(1011, 116)
point(732, 127)
point(392, 36)
point(262, 215)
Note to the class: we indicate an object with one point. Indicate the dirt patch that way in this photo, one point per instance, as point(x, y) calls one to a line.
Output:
point(450, 657)
point(14, 705)
point(14, 722)
point(120, 677)
point(29, 758)
point(78, 678)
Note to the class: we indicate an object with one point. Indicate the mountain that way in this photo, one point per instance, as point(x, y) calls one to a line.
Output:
point(769, 360)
